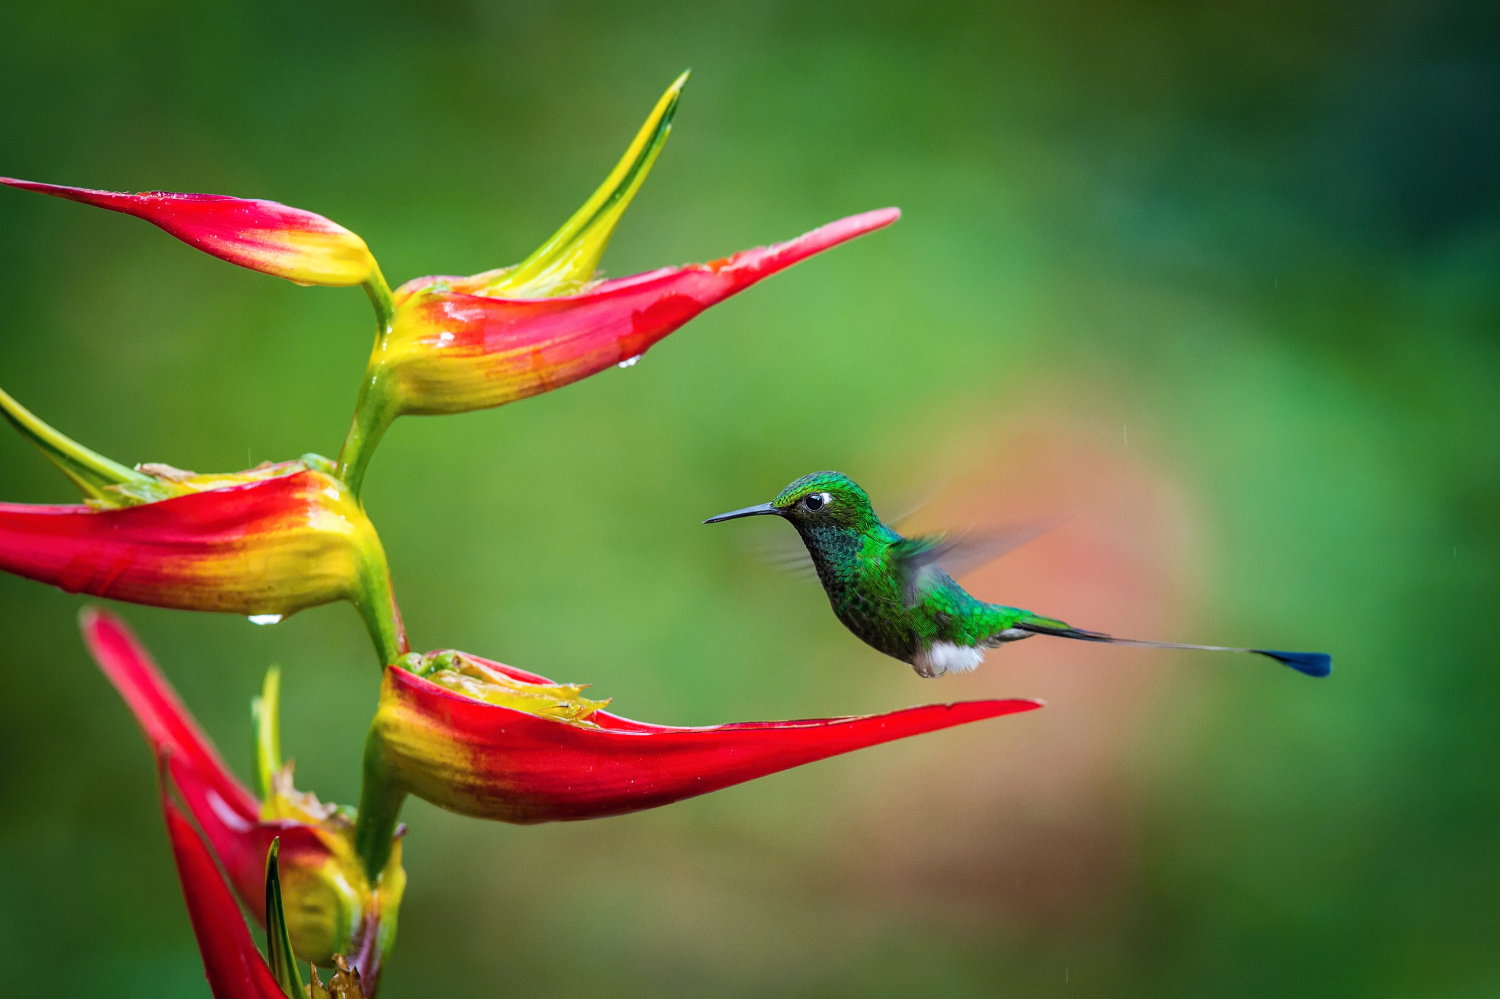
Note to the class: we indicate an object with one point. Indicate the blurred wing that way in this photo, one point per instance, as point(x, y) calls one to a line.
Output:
point(959, 553)
point(910, 503)
point(785, 553)
point(962, 552)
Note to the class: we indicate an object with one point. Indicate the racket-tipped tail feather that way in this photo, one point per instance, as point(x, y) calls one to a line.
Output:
point(1310, 663)
point(1307, 663)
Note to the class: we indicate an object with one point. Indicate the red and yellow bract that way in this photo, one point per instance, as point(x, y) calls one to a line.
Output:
point(287, 538)
point(332, 906)
point(264, 236)
point(490, 761)
point(451, 351)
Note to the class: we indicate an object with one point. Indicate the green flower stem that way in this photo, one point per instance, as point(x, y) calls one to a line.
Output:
point(377, 605)
point(374, 412)
point(375, 409)
point(380, 804)
point(380, 297)
point(265, 724)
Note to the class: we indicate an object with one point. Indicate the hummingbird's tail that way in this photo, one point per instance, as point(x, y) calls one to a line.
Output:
point(1310, 663)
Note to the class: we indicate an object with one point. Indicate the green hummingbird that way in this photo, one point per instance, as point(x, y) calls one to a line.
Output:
point(898, 596)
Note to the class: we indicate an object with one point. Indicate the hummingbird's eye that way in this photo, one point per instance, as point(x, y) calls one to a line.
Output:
point(814, 501)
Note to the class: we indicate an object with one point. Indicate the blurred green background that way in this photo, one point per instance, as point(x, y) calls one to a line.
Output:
point(1220, 278)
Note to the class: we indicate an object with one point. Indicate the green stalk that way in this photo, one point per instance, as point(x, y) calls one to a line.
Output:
point(380, 297)
point(374, 412)
point(376, 603)
point(379, 809)
point(265, 724)
point(375, 409)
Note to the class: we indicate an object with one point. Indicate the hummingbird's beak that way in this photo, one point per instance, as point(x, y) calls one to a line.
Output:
point(758, 510)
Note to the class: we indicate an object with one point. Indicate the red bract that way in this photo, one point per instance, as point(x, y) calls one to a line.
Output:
point(233, 965)
point(451, 352)
point(333, 908)
point(225, 809)
point(455, 345)
point(271, 546)
point(483, 759)
point(264, 236)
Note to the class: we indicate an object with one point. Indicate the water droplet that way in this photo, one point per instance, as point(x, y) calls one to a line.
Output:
point(265, 618)
point(445, 337)
point(629, 361)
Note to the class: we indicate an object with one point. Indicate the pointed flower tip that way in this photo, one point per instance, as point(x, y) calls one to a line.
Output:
point(767, 260)
point(264, 236)
point(166, 722)
point(858, 225)
point(567, 261)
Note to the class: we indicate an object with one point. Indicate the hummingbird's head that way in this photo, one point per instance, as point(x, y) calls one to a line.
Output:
point(820, 500)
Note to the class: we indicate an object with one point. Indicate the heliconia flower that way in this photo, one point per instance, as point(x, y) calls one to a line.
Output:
point(451, 350)
point(488, 740)
point(261, 235)
point(458, 344)
point(332, 906)
point(265, 543)
point(449, 344)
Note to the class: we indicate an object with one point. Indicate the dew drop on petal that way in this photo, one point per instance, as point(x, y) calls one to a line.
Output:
point(265, 618)
point(629, 361)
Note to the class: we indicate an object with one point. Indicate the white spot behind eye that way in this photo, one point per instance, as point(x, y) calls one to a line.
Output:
point(816, 502)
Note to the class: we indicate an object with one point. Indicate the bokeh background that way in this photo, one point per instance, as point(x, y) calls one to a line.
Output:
point(1218, 280)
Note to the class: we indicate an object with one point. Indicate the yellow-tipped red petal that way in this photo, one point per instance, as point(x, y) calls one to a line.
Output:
point(264, 236)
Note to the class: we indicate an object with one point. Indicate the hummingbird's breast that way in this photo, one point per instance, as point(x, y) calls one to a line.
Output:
point(864, 594)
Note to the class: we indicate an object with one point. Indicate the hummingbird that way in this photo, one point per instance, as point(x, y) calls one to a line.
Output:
point(898, 595)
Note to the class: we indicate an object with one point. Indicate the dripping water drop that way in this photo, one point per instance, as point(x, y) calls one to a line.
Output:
point(629, 361)
point(265, 618)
